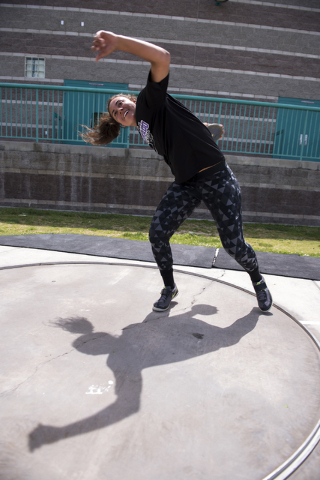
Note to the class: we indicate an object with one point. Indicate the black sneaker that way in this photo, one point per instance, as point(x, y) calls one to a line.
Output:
point(167, 294)
point(263, 295)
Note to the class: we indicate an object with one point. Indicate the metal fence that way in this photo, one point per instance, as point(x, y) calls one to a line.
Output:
point(55, 114)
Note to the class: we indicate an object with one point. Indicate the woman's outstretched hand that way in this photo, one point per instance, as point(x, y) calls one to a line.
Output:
point(105, 43)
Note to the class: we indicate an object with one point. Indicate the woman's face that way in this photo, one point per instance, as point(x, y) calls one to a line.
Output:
point(123, 110)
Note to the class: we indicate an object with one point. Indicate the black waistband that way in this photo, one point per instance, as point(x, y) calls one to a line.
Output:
point(208, 172)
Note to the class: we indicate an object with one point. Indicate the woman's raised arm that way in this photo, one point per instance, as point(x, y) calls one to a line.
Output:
point(107, 42)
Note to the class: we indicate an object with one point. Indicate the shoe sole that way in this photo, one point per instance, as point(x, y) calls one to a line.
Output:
point(156, 309)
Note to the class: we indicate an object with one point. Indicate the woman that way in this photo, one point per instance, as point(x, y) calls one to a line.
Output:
point(199, 167)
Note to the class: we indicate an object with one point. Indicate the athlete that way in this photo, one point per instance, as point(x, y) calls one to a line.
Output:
point(199, 167)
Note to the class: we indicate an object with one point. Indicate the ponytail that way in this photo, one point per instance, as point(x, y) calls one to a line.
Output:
point(102, 134)
point(108, 128)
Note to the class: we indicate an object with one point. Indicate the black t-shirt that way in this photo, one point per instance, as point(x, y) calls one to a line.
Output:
point(174, 132)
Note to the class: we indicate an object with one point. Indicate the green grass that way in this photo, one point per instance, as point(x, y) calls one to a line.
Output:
point(263, 237)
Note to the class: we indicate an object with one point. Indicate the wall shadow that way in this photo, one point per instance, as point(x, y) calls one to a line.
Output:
point(156, 341)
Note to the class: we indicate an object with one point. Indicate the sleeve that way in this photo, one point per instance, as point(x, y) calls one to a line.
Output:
point(156, 92)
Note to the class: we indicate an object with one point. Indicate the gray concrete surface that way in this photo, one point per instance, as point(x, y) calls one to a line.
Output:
point(94, 385)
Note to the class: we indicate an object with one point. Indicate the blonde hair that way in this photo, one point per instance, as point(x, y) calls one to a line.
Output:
point(108, 128)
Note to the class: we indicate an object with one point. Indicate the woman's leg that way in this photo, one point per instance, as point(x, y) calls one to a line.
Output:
point(223, 199)
point(221, 194)
point(176, 206)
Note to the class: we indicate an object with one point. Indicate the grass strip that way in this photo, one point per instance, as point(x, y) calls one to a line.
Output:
point(287, 239)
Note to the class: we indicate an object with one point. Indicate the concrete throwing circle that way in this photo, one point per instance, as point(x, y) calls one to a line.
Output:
point(97, 386)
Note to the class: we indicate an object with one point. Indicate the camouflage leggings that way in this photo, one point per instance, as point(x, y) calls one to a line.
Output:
point(221, 194)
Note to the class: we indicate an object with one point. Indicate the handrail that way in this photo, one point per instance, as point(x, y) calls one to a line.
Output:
point(43, 113)
point(178, 96)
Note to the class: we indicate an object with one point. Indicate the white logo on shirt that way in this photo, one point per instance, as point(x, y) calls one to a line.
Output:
point(146, 134)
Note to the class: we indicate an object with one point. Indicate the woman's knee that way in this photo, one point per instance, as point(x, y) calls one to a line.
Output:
point(236, 247)
point(158, 233)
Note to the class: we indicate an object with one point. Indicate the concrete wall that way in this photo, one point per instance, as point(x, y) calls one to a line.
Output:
point(113, 180)
point(242, 48)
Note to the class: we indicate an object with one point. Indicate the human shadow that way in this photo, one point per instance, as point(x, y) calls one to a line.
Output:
point(155, 341)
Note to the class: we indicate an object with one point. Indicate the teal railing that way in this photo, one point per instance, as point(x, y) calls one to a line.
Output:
point(55, 114)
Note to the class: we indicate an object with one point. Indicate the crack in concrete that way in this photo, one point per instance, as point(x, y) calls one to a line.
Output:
point(11, 390)
point(222, 274)
point(90, 340)
point(8, 392)
point(193, 301)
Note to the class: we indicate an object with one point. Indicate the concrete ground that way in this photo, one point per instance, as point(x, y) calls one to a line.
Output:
point(94, 385)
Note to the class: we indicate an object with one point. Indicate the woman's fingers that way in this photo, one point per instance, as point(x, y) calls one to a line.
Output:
point(103, 42)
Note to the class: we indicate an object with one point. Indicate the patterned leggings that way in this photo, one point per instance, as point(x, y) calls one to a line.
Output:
point(221, 194)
